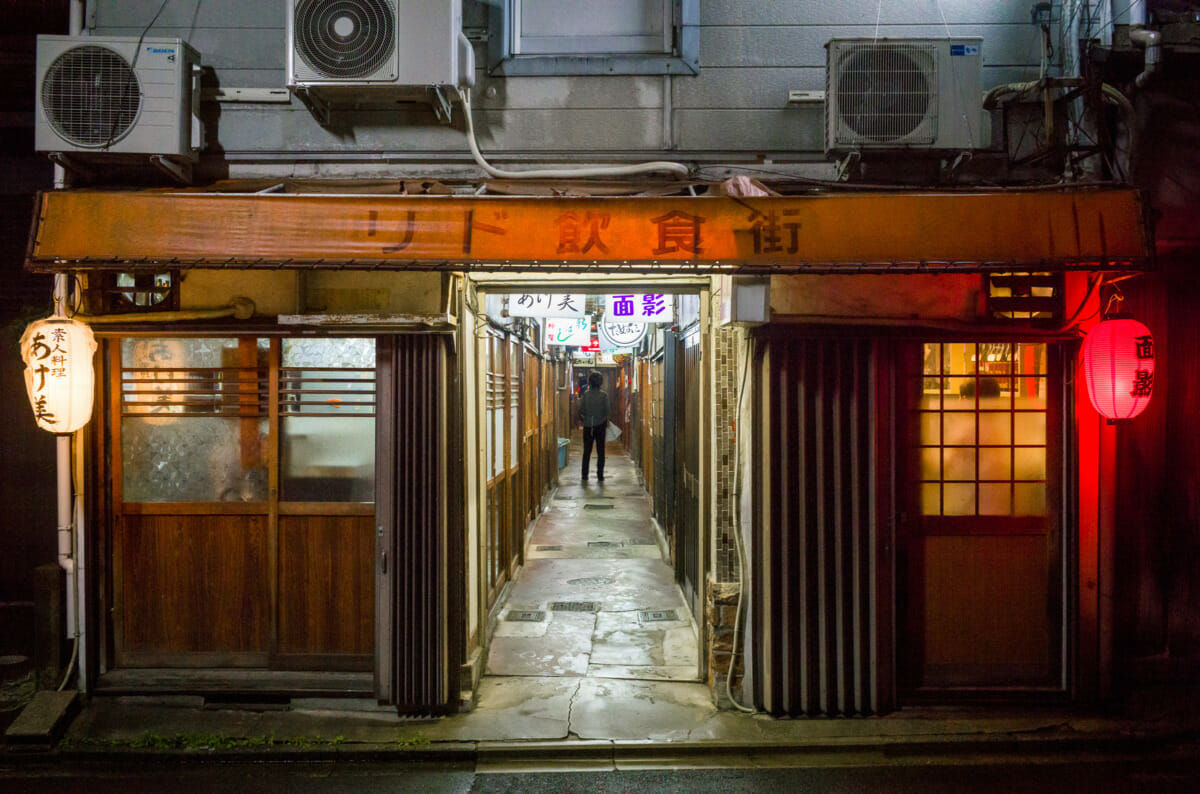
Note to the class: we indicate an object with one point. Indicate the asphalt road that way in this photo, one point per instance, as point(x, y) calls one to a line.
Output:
point(1179, 773)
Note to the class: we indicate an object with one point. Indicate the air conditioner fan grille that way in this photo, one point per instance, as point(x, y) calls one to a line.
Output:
point(345, 39)
point(91, 96)
point(884, 92)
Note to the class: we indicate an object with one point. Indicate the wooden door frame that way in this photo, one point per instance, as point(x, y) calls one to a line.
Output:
point(1055, 527)
point(114, 511)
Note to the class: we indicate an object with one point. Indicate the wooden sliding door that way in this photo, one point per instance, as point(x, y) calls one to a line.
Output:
point(243, 502)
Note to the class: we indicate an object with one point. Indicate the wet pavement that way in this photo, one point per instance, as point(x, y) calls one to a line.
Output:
point(595, 598)
point(604, 676)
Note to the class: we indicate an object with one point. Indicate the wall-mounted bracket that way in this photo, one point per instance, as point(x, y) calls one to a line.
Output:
point(177, 168)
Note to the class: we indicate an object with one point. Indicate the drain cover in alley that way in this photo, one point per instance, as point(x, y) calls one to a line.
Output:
point(573, 606)
point(526, 615)
point(599, 507)
point(549, 548)
point(591, 581)
point(653, 615)
point(603, 544)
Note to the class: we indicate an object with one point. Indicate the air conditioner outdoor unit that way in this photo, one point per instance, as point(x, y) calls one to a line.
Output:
point(904, 94)
point(376, 48)
point(105, 95)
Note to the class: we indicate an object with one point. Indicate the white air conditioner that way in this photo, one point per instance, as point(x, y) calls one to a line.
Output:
point(904, 94)
point(376, 48)
point(108, 95)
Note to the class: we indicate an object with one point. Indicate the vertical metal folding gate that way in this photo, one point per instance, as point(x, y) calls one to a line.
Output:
point(419, 593)
point(687, 470)
point(817, 627)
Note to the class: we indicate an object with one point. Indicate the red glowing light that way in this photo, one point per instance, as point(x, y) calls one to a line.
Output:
point(1118, 365)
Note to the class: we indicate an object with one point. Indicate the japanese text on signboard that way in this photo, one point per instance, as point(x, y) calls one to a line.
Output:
point(643, 308)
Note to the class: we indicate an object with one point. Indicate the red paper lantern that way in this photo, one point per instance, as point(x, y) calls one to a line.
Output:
point(1118, 364)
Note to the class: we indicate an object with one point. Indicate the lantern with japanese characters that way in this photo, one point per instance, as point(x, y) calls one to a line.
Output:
point(58, 372)
point(1118, 364)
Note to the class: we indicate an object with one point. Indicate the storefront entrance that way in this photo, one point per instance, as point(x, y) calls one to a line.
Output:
point(242, 499)
point(980, 535)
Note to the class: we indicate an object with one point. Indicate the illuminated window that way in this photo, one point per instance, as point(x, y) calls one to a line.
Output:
point(139, 292)
point(981, 421)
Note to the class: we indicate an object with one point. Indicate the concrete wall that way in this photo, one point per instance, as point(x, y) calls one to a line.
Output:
point(752, 52)
point(317, 292)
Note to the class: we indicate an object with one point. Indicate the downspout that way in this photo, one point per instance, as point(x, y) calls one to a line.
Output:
point(70, 532)
point(1151, 40)
point(1133, 14)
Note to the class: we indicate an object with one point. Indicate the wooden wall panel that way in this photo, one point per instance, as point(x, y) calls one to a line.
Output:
point(189, 584)
point(326, 585)
point(985, 615)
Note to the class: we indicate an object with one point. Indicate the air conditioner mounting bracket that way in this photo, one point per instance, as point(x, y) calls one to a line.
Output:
point(175, 167)
point(439, 96)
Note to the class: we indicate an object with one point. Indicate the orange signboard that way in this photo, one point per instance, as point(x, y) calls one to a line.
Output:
point(1079, 229)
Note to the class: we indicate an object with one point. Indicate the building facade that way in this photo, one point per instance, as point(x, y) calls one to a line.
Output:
point(319, 437)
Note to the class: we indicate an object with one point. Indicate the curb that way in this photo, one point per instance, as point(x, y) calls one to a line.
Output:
point(603, 754)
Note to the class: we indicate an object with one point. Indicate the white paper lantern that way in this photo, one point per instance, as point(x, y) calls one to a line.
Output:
point(59, 378)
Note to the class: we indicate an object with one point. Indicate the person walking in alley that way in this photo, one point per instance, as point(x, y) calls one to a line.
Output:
point(593, 415)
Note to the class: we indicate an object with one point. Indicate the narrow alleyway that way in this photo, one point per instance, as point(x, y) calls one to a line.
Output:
point(597, 597)
point(593, 640)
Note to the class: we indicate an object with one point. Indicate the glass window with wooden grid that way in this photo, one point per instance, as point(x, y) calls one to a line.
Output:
point(327, 420)
point(982, 429)
point(194, 420)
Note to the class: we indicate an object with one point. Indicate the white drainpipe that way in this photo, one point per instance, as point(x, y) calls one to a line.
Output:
point(1133, 14)
point(70, 525)
point(1151, 41)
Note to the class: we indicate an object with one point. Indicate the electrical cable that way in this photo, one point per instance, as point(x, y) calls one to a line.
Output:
point(737, 537)
point(133, 68)
point(70, 664)
point(678, 170)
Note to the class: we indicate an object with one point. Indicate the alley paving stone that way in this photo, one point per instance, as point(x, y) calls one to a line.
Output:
point(606, 551)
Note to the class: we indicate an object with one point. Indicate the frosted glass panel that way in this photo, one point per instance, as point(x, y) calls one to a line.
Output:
point(995, 500)
point(931, 460)
point(995, 464)
point(1030, 499)
point(959, 464)
point(193, 459)
point(960, 499)
point(327, 420)
point(931, 428)
point(1031, 428)
point(931, 498)
point(350, 353)
point(328, 459)
point(995, 428)
point(959, 428)
point(194, 420)
point(1031, 463)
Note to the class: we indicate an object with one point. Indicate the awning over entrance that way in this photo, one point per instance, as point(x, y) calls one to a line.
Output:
point(894, 232)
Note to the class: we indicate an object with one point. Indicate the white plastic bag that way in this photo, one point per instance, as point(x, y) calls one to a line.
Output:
point(612, 433)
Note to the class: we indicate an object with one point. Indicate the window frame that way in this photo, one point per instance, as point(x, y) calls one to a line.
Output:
point(684, 58)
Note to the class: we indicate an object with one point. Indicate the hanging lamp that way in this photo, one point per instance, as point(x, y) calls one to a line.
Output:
point(1118, 366)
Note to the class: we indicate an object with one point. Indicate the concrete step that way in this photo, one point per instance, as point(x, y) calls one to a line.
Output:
point(41, 722)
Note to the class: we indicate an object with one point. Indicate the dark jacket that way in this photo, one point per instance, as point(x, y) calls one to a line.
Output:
point(593, 407)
